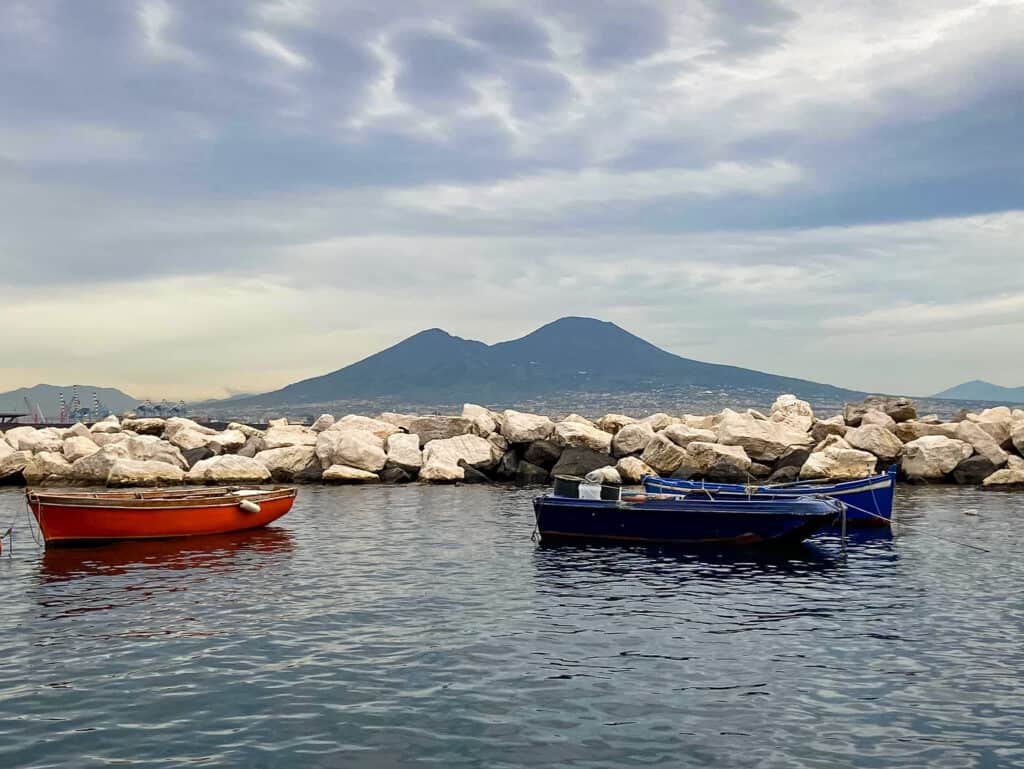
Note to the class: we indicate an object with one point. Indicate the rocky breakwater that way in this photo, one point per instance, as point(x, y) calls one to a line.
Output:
point(480, 445)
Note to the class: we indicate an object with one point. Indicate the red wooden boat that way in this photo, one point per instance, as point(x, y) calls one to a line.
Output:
point(69, 517)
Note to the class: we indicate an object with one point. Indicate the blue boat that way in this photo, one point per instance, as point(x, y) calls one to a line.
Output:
point(668, 520)
point(868, 500)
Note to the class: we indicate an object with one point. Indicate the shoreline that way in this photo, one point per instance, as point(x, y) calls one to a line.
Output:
point(478, 445)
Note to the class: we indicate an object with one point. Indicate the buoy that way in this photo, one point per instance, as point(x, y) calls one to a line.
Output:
point(249, 506)
point(970, 511)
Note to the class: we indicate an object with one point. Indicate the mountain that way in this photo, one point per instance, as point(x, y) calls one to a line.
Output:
point(568, 355)
point(48, 398)
point(978, 390)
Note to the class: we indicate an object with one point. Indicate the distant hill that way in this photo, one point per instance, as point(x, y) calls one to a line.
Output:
point(978, 390)
point(568, 355)
point(48, 398)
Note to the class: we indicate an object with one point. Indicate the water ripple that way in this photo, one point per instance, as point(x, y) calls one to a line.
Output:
point(399, 626)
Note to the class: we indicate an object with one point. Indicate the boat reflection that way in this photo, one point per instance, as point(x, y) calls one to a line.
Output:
point(221, 552)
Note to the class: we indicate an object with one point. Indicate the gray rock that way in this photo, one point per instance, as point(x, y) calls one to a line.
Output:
point(253, 446)
point(470, 474)
point(192, 456)
point(346, 474)
point(530, 475)
point(579, 462)
point(787, 474)
point(900, 409)
point(973, 470)
point(394, 474)
point(543, 453)
point(795, 457)
point(507, 467)
point(759, 471)
point(823, 428)
point(436, 428)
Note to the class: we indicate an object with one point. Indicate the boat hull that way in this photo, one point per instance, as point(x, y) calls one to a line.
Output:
point(868, 501)
point(77, 519)
point(681, 522)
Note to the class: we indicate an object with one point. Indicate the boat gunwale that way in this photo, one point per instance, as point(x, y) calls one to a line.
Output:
point(155, 500)
point(814, 505)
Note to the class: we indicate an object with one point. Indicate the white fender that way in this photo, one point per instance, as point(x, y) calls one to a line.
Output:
point(249, 506)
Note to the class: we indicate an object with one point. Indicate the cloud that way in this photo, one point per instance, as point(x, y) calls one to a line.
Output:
point(772, 184)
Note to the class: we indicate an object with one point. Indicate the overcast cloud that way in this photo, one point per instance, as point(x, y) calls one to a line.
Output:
point(198, 198)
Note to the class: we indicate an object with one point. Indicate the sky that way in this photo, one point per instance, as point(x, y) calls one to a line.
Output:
point(203, 198)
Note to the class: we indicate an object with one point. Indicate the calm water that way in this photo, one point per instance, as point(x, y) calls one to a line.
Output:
point(392, 627)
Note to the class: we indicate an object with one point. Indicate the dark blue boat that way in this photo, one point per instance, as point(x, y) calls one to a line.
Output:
point(683, 521)
point(868, 500)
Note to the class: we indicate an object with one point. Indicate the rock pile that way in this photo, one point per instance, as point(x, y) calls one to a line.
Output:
point(480, 445)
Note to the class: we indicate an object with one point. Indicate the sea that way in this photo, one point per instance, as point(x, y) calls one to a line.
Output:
point(420, 626)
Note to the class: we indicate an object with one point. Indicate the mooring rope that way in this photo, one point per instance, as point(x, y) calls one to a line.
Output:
point(920, 530)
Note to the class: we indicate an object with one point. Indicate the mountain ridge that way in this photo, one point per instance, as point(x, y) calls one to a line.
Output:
point(980, 390)
point(47, 397)
point(571, 354)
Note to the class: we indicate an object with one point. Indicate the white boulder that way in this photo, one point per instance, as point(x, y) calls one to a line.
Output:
point(1011, 475)
point(47, 467)
point(792, 411)
point(30, 439)
point(145, 425)
point(228, 468)
point(404, 451)
point(706, 455)
point(633, 469)
point(226, 441)
point(288, 462)
point(346, 474)
point(683, 435)
point(149, 448)
point(185, 438)
point(879, 441)
point(13, 462)
point(472, 449)
point(659, 421)
point(376, 427)
point(352, 447)
point(109, 424)
point(582, 435)
point(76, 447)
point(612, 423)
point(176, 424)
point(438, 473)
point(289, 435)
point(762, 441)
point(631, 439)
point(880, 418)
point(401, 421)
point(982, 442)
point(933, 456)
point(606, 475)
point(519, 427)
point(322, 423)
point(134, 472)
point(839, 464)
point(485, 420)
point(1017, 435)
point(247, 430)
point(662, 455)
point(95, 468)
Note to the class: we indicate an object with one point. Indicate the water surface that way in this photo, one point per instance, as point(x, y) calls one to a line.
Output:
point(420, 626)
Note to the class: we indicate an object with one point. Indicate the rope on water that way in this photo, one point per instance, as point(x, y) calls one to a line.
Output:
point(919, 529)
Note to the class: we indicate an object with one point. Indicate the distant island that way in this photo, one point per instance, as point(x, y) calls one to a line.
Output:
point(569, 355)
point(979, 390)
